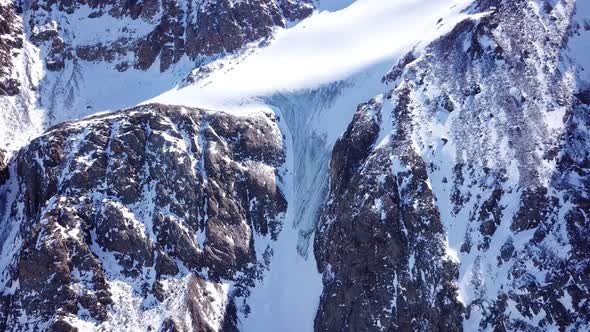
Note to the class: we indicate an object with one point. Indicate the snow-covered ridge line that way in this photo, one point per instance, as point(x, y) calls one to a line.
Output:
point(67, 59)
point(324, 48)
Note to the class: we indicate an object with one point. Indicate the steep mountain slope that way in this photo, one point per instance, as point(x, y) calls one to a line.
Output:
point(332, 191)
point(481, 181)
point(146, 211)
point(10, 40)
point(315, 112)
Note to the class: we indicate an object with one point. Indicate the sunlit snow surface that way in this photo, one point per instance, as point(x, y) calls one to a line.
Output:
point(327, 47)
point(313, 75)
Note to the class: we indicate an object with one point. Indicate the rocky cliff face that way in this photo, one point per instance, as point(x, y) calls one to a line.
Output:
point(458, 199)
point(480, 181)
point(144, 212)
point(139, 34)
point(10, 41)
point(60, 60)
point(381, 241)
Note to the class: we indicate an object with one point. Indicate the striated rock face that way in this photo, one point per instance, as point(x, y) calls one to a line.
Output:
point(381, 241)
point(62, 60)
point(139, 34)
point(137, 216)
point(10, 41)
point(460, 199)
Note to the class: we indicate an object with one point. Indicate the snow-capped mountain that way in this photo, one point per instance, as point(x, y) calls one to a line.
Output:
point(296, 165)
point(461, 195)
point(63, 60)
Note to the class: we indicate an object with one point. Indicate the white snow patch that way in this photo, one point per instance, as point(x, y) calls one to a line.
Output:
point(326, 47)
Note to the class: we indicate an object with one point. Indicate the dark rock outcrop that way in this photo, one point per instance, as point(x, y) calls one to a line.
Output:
point(156, 31)
point(380, 244)
point(473, 212)
point(10, 42)
point(157, 203)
